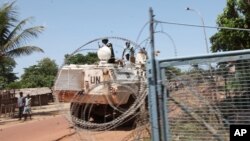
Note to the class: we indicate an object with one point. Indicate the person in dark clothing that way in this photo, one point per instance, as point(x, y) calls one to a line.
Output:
point(112, 59)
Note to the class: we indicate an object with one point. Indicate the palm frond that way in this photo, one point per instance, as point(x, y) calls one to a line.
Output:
point(24, 50)
point(13, 36)
point(18, 28)
point(8, 16)
point(8, 12)
point(23, 38)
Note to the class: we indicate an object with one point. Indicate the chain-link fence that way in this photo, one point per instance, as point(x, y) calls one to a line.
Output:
point(205, 95)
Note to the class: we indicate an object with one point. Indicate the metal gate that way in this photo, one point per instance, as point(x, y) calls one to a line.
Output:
point(198, 98)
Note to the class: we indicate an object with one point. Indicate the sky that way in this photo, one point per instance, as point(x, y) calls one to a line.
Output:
point(71, 23)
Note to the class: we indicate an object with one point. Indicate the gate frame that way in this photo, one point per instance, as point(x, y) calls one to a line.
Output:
point(158, 93)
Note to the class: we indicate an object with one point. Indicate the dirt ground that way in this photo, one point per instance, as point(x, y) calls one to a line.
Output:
point(52, 126)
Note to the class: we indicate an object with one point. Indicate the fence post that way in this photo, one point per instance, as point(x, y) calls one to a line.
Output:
point(151, 74)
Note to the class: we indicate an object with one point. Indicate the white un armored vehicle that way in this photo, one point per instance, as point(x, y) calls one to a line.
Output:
point(106, 94)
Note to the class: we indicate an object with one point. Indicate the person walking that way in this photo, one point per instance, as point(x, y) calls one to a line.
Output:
point(20, 105)
point(27, 107)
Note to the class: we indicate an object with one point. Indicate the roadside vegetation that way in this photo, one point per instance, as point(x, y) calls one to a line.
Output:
point(14, 39)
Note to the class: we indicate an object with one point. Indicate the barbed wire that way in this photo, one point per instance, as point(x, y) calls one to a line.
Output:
point(124, 117)
point(142, 29)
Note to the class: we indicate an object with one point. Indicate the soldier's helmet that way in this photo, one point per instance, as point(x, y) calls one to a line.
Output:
point(105, 41)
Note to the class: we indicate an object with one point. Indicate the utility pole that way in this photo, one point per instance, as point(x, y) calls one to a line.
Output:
point(155, 95)
point(152, 95)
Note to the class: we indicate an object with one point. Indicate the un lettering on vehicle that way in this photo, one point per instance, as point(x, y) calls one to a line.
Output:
point(93, 76)
point(95, 79)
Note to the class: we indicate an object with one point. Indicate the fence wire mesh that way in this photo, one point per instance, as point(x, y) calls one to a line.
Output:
point(206, 96)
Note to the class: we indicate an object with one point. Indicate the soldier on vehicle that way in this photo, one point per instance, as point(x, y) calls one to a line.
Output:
point(128, 52)
point(112, 59)
point(105, 42)
point(145, 52)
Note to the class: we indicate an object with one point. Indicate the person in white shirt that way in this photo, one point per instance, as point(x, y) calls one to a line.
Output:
point(128, 52)
point(20, 105)
point(27, 107)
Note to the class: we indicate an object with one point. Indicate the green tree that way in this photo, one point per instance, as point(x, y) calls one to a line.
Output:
point(41, 75)
point(13, 36)
point(236, 14)
point(172, 72)
point(90, 58)
point(6, 72)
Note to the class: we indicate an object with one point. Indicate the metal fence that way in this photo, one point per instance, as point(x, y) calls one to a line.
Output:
point(203, 95)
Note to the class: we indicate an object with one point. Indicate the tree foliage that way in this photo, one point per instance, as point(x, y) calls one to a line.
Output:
point(6, 72)
point(172, 72)
point(90, 58)
point(40, 75)
point(13, 35)
point(236, 14)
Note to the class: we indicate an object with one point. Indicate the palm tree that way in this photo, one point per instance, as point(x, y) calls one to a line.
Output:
point(13, 36)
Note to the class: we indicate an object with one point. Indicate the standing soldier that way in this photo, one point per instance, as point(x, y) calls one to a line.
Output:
point(112, 59)
point(129, 53)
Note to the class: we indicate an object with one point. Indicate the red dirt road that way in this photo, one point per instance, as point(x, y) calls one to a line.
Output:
point(53, 128)
point(49, 129)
